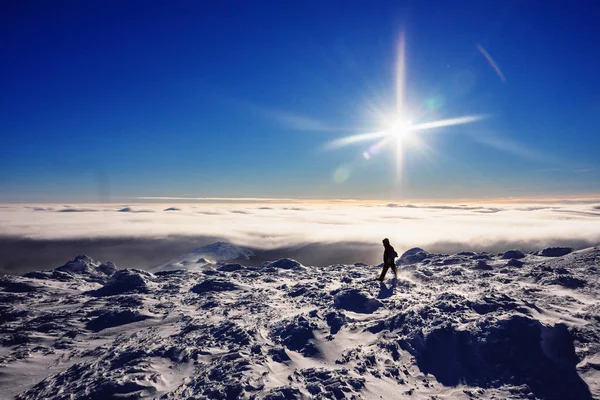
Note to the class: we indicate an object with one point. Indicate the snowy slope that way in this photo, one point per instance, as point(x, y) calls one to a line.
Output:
point(461, 326)
point(210, 254)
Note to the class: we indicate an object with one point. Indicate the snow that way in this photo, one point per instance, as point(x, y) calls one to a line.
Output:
point(514, 254)
point(460, 326)
point(219, 251)
point(555, 251)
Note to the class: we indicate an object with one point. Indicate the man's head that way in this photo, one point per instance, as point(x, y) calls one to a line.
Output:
point(386, 242)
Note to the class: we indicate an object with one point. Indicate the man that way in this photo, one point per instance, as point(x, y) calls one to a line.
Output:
point(389, 255)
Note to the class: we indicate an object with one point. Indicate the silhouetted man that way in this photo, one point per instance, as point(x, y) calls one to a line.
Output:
point(389, 255)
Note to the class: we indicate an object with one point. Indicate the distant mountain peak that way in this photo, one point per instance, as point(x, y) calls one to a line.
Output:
point(214, 252)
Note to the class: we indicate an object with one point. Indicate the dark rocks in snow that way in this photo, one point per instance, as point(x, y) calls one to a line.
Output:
point(450, 302)
point(214, 285)
point(413, 256)
point(82, 264)
point(10, 284)
point(126, 301)
point(555, 251)
point(278, 354)
point(52, 275)
point(230, 332)
point(297, 335)
point(300, 289)
point(172, 209)
point(492, 303)
point(456, 332)
point(16, 338)
point(113, 318)
point(230, 267)
point(284, 263)
point(514, 254)
point(515, 263)
point(482, 256)
point(513, 351)
point(335, 320)
point(88, 269)
point(483, 266)
point(211, 272)
point(356, 301)
point(107, 268)
point(330, 384)
point(126, 281)
point(567, 281)
point(284, 393)
point(10, 314)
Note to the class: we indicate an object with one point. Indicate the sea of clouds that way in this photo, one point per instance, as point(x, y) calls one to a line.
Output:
point(152, 233)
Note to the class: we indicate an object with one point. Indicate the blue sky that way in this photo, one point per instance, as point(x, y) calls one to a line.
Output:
point(113, 100)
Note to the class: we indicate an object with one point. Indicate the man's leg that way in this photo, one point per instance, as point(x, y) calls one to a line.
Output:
point(383, 272)
point(395, 270)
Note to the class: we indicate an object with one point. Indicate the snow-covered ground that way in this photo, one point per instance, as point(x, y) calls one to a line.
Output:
point(461, 326)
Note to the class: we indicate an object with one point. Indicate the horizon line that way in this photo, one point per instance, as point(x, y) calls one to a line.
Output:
point(208, 200)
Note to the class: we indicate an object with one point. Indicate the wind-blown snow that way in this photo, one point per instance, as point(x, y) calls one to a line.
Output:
point(219, 251)
point(469, 325)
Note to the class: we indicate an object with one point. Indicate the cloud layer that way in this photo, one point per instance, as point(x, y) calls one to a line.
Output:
point(440, 228)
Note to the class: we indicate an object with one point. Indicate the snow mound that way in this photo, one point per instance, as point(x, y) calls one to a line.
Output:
point(413, 256)
point(126, 281)
point(514, 254)
point(336, 320)
point(297, 335)
point(114, 318)
point(88, 269)
point(230, 267)
point(356, 301)
point(554, 251)
point(515, 263)
point(483, 265)
point(514, 351)
point(284, 263)
point(214, 285)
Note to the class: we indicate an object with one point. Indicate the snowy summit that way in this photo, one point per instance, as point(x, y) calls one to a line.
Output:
point(463, 326)
point(210, 254)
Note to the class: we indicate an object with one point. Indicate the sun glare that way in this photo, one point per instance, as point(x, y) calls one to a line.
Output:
point(402, 131)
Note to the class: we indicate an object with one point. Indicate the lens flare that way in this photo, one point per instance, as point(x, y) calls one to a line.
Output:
point(341, 174)
point(491, 61)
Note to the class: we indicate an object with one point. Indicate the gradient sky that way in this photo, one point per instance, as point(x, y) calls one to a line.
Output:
point(111, 100)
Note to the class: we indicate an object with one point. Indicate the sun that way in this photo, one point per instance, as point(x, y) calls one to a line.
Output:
point(402, 133)
point(401, 129)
